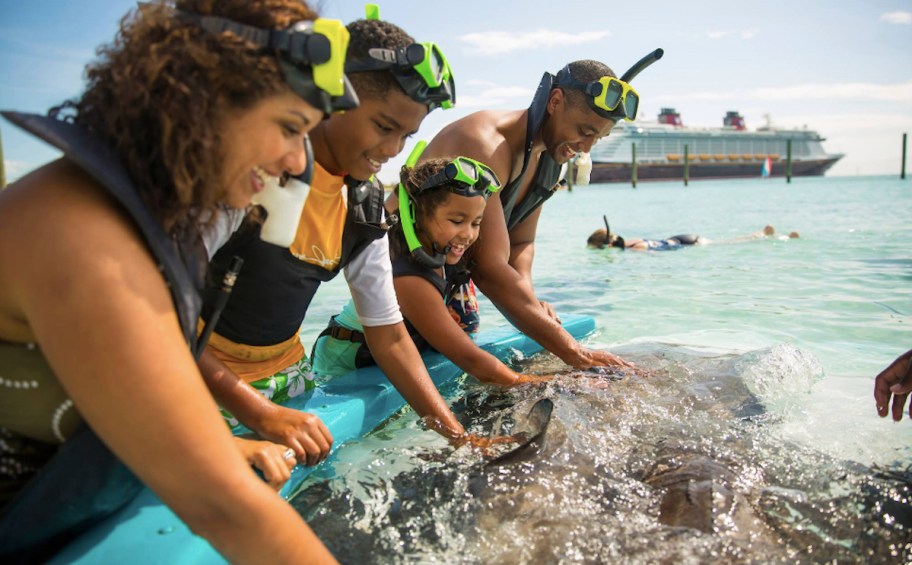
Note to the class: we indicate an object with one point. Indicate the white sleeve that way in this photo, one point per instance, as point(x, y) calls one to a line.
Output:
point(217, 232)
point(370, 279)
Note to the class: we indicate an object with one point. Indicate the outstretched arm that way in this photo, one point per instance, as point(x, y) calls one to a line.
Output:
point(503, 273)
point(893, 385)
point(304, 433)
point(421, 304)
point(395, 353)
point(370, 279)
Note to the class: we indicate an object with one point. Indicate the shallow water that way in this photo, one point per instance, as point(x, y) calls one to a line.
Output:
point(763, 354)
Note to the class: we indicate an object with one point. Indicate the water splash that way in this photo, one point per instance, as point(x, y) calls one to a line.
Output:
point(683, 465)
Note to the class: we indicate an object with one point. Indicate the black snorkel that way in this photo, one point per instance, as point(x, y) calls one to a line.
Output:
point(642, 64)
point(620, 112)
point(618, 240)
point(221, 301)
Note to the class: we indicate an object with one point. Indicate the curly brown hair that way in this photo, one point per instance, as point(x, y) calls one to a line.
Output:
point(160, 92)
point(426, 201)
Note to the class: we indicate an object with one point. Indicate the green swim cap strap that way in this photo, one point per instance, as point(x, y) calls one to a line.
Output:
point(407, 218)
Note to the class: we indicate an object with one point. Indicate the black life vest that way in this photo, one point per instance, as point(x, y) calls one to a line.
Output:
point(84, 481)
point(405, 266)
point(275, 288)
point(546, 174)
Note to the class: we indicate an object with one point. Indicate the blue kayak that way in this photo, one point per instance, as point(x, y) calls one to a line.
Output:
point(148, 532)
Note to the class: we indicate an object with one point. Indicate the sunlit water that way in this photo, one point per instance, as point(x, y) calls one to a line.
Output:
point(762, 356)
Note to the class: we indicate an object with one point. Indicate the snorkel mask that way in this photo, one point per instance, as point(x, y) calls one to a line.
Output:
point(611, 97)
point(421, 69)
point(311, 55)
point(467, 177)
point(464, 176)
point(284, 204)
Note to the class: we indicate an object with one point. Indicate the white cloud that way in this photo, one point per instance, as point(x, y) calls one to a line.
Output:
point(844, 91)
point(888, 123)
point(901, 92)
point(707, 96)
point(724, 34)
point(498, 42)
point(496, 96)
point(897, 18)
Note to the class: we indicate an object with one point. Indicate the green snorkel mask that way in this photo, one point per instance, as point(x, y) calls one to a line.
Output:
point(311, 55)
point(421, 69)
point(465, 177)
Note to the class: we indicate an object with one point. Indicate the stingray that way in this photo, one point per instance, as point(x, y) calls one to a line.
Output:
point(538, 419)
point(679, 463)
point(697, 492)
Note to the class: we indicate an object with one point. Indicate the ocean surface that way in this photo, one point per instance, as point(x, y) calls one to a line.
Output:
point(762, 354)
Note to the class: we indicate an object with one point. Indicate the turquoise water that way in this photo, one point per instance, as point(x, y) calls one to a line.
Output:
point(842, 293)
point(762, 356)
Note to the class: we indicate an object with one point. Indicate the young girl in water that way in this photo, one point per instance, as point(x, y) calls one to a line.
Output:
point(440, 206)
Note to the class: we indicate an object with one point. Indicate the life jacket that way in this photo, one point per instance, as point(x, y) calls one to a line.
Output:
point(546, 174)
point(405, 266)
point(275, 288)
point(84, 481)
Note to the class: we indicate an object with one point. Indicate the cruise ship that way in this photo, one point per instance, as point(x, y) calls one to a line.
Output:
point(727, 152)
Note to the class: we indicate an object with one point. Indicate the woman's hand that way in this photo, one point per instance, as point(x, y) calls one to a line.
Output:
point(304, 433)
point(273, 460)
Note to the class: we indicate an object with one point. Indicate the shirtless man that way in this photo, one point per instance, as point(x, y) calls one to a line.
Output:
point(526, 149)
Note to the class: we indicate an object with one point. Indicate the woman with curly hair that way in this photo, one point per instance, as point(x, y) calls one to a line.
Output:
point(195, 107)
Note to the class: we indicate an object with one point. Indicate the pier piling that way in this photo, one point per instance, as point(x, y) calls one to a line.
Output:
point(788, 161)
point(686, 166)
point(633, 164)
point(902, 174)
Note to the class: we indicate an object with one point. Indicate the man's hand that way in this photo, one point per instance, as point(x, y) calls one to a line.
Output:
point(893, 385)
point(587, 358)
point(302, 432)
point(550, 311)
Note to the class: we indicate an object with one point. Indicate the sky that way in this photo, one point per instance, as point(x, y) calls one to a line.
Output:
point(841, 68)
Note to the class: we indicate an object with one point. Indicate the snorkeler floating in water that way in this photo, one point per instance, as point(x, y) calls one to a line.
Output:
point(602, 238)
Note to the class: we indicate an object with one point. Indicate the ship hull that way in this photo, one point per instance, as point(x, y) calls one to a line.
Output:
point(621, 172)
